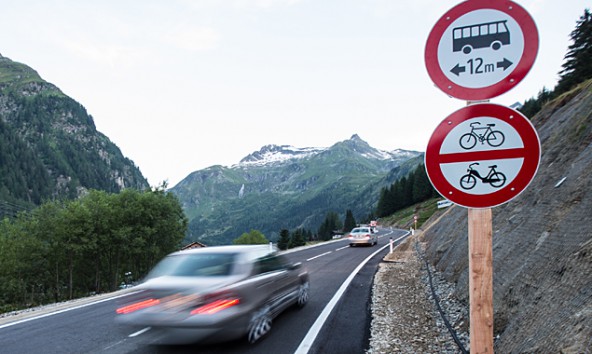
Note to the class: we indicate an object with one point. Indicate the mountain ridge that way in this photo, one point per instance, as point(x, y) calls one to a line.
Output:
point(281, 186)
point(66, 154)
point(273, 153)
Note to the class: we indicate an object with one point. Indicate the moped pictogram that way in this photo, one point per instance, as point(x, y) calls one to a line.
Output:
point(494, 178)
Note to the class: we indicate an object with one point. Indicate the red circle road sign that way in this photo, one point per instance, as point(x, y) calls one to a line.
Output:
point(482, 155)
point(481, 49)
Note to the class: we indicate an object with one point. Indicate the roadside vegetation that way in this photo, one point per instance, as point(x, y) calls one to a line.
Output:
point(404, 218)
point(576, 68)
point(68, 249)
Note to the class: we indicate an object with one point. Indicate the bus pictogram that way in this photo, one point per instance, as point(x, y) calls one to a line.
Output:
point(482, 35)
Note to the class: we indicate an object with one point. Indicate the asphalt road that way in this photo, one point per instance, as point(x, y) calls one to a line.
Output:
point(91, 329)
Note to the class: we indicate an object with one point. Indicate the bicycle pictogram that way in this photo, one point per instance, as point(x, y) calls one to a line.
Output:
point(494, 138)
point(494, 178)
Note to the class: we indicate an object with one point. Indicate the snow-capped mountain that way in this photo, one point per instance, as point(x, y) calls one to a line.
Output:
point(278, 154)
point(273, 154)
point(281, 186)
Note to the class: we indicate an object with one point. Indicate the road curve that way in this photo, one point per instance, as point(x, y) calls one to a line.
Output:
point(329, 322)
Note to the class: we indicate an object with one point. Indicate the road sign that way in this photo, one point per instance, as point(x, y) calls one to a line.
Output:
point(482, 155)
point(480, 49)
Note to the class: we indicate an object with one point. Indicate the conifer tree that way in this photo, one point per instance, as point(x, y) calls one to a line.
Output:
point(578, 66)
point(297, 239)
point(349, 223)
point(284, 240)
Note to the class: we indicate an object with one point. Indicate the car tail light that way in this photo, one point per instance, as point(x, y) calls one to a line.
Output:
point(137, 306)
point(216, 306)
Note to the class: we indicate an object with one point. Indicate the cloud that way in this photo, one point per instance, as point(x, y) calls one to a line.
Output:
point(101, 53)
point(263, 3)
point(192, 38)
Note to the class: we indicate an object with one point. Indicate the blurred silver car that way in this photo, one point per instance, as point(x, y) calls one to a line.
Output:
point(216, 294)
point(362, 236)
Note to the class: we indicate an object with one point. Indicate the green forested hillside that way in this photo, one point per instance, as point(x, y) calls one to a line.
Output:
point(49, 146)
point(224, 202)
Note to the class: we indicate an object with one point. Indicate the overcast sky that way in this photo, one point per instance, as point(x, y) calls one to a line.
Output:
point(181, 85)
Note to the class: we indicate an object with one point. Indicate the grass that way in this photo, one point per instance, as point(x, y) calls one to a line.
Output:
point(404, 218)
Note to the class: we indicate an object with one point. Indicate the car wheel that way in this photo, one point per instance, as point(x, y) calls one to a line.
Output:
point(303, 294)
point(259, 325)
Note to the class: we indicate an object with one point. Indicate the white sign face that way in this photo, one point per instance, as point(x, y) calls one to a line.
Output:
point(480, 48)
point(482, 155)
point(481, 176)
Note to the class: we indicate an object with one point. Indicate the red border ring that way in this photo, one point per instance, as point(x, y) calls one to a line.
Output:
point(531, 46)
point(532, 157)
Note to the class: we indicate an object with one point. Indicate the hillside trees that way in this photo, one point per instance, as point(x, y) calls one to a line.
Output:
point(350, 222)
point(407, 191)
point(49, 146)
point(63, 250)
point(253, 237)
point(293, 239)
point(576, 68)
point(298, 238)
point(284, 240)
point(330, 224)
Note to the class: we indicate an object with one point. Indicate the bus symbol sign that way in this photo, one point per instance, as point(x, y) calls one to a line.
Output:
point(482, 35)
point(480, 49)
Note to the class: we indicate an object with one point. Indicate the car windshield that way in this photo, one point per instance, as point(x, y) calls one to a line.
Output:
point(361, 231)
point(195, 265)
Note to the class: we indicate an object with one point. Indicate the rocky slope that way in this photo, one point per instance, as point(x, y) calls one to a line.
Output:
point(49, 145)
point(542, 241)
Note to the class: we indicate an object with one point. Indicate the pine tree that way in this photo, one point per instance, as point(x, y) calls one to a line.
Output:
point(349, 223)
point(297, 239)
point(422, 188)
point(331, 223)
point(578, 66)
point(284, 240)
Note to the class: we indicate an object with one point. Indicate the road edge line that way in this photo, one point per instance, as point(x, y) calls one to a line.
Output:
point(314, 330)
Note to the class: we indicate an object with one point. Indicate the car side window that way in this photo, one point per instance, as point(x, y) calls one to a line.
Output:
point(269, 263)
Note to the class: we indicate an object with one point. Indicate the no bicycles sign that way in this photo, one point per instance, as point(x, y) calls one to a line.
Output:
point(482, 155)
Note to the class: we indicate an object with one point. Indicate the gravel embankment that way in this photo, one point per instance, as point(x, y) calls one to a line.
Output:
point(405, 318)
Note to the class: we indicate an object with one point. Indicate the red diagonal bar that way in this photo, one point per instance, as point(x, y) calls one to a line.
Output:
point(483, 155)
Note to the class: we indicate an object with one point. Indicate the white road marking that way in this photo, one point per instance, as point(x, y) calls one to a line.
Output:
point(320, 255)
point(310, 337)
point(342, 248)
point(62, 311)
point(140, 332)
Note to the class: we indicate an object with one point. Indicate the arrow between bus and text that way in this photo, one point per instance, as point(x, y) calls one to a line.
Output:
point(476, 66)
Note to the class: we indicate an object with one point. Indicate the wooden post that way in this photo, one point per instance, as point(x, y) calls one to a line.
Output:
point(481, 280)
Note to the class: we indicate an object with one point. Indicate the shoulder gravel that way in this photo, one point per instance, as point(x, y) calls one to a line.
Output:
point(405, 318)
